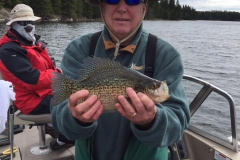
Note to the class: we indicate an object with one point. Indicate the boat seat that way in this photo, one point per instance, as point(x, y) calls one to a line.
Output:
point(40, 121)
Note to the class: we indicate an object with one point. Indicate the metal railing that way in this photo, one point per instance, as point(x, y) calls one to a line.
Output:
point(201, 96)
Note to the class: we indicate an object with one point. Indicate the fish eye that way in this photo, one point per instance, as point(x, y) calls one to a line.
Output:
point(153, 85)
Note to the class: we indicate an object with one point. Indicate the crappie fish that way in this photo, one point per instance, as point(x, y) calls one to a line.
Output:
point(107, 79)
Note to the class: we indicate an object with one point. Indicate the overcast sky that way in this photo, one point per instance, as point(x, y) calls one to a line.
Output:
point(206, 5)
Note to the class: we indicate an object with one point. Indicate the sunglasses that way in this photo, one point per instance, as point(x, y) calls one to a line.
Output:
point(128, 2)
point(25, 23)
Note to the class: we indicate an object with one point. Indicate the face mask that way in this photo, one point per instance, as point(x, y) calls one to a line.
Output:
point(27, 30)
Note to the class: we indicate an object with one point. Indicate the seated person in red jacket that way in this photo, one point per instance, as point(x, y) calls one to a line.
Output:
point(24, 61)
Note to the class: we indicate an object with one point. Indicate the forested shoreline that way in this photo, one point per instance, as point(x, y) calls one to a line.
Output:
point(78, 10)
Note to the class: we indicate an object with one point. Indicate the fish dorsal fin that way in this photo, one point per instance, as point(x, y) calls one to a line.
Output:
point(94, 65)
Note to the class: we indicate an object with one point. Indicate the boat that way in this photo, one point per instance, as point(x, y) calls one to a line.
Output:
point(196, 144)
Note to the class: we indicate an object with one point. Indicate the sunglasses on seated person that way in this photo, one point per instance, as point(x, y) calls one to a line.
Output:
point(128, 2)
point(25, 23)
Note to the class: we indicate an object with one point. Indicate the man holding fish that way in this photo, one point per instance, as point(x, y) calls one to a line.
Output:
point(114, 112)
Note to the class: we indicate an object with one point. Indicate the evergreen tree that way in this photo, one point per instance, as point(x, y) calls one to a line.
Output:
point(153, 11)
point(15, 2)
point(218, 15)
point(42, 8)
point(57, 6)
point(178, 10)
point(165, 14)
point(84, 4)
point(1, 4)
point(164, 4)
point(8, 3)
point(26, 2)
point(172, 4)
point(69, 8)
point(88, 10)
point(96, 13)
point(161, 9)
point(79, 11)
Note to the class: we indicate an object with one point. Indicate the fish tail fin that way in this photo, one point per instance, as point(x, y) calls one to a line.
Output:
point(62, 86)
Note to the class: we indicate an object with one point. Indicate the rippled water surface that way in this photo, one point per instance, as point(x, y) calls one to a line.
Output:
point(210, 50)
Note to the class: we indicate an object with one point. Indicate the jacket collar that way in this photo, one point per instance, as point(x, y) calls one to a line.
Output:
point(109, 44)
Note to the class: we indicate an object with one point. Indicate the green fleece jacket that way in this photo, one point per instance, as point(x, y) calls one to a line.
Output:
point(113, 137)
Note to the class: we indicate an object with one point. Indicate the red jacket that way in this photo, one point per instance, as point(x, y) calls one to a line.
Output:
point(29, 69)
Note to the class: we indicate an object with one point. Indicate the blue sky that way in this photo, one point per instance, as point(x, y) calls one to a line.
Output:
point(206, 5)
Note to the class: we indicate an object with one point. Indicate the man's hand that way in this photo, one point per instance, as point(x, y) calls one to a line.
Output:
point(87, 111)
point(141, 111)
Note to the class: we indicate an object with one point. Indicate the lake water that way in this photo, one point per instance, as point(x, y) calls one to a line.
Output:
point(210, 50)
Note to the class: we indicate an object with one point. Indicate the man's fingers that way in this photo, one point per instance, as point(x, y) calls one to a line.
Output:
point(75, 97)
point(139, 107)
point(146, 101)
point(91, 111)
point(87, 104)
point(129, 109)
point(97, 113)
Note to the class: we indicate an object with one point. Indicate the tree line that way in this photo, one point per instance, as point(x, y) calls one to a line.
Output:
point(79, 10)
